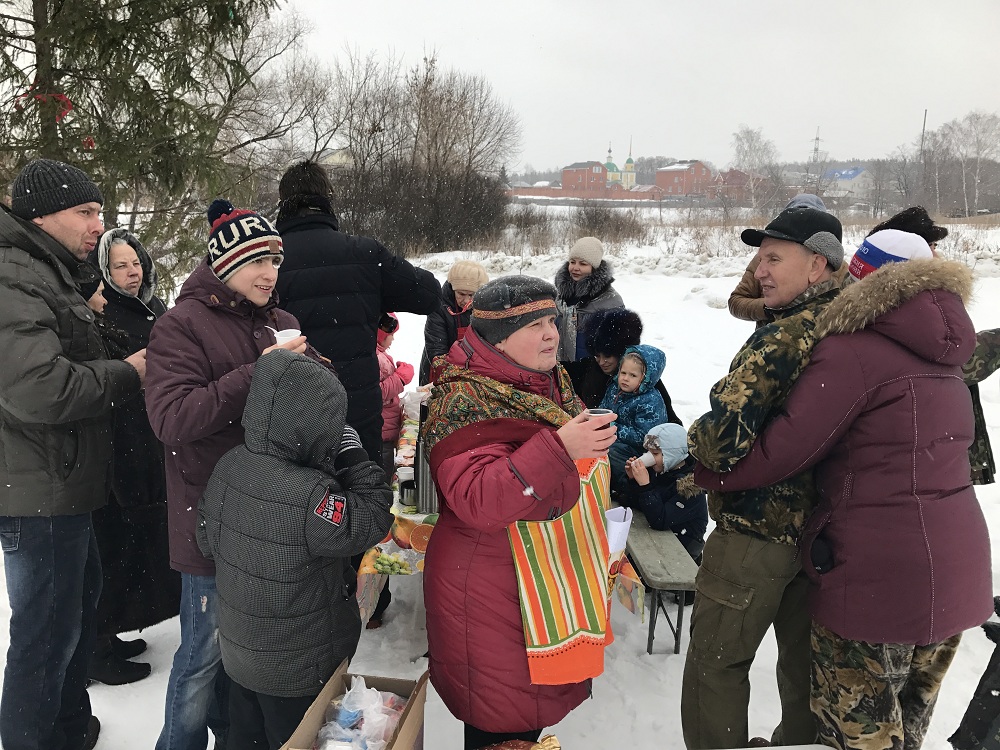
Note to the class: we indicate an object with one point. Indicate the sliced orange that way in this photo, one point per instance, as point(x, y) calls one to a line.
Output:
point(420, 536)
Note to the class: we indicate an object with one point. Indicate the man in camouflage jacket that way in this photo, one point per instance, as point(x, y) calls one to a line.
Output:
point(751, 577)
point(985, 361)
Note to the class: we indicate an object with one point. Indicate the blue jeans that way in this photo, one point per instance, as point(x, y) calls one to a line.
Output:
point(197, 691)
point(53, 573)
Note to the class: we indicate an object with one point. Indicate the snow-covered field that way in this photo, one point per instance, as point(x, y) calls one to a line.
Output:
point(681, 297)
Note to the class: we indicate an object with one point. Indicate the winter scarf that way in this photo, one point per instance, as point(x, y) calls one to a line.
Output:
point(562, 564)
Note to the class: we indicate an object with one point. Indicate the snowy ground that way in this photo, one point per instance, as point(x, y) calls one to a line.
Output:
point(636, 703)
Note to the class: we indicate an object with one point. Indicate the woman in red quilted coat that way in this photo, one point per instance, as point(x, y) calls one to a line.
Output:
point(497, 458)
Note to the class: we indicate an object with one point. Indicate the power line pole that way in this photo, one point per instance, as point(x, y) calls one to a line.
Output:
point(814, 161)
point(923, 159)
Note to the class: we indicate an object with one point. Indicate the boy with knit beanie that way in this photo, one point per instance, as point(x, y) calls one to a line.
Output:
point(202, 356)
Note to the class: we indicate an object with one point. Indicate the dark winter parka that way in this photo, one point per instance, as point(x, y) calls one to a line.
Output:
point(578, 300)
point(441, 329)
point(199, 362)
point(281, 516)
point(883, 414)
point(139, 482)
point(140, 589)
point(57, 387)
point(338, 285)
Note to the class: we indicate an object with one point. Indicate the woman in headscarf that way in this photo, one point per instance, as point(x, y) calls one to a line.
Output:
point(507, 439)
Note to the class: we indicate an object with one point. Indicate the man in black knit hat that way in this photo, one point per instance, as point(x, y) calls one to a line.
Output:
point(57, 389)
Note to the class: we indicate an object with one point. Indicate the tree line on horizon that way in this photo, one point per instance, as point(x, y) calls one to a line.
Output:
point(953, 170)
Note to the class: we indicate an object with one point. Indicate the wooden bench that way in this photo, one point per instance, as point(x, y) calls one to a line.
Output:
point(664, 566)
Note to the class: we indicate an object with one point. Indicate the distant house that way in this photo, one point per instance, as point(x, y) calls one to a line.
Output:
point(585, 175)
point(738, 187)
point(853, 183)
point(690, 177)
point(336, 159)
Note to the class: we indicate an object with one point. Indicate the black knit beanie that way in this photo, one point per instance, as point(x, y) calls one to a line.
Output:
point(46, 187)
point(504, 305)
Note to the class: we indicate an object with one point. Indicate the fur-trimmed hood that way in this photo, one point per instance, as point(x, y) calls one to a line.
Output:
point(586, 289)
point(920, 304)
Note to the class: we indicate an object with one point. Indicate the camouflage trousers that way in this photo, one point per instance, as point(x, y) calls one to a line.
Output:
point(875, 696)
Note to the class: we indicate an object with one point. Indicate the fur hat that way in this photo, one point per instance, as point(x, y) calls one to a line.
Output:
point(467, 276)
point(46, 187)
point(887, 246)
point(812, 228)
point(388, 324)
point(504, 305)
point(671, 440)
point(915, 220)
point(589, 249)
point(612, 331)
point(238, 237)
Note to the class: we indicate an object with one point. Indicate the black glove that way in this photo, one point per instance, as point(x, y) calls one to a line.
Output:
point(821, 555)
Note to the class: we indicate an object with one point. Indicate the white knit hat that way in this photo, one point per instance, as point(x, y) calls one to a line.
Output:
point(589, 249)
point(887, 246)
point(467, 276)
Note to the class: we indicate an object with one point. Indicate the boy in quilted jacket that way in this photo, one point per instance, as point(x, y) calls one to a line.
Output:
point(281, 517)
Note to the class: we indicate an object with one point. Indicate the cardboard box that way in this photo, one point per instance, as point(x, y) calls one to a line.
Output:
point(409, 734)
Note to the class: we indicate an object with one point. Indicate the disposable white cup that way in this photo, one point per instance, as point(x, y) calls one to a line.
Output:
point(648, 459)
point(283, 337)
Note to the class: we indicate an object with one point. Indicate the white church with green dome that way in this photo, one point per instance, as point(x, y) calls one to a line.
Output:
point(626, 176)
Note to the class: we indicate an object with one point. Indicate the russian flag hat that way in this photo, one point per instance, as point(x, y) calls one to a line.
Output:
point(887, 246)
point(238, 237)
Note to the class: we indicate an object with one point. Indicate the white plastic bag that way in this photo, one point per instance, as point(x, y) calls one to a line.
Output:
point(361, 719)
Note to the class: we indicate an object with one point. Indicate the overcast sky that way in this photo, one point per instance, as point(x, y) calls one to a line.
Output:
point(677, 77)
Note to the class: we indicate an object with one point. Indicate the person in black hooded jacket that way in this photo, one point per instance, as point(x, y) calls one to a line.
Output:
point(338, 285)
point(140, 589)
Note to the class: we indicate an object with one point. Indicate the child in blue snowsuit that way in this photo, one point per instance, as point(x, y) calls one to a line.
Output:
point(632, 396)
point(665, 492)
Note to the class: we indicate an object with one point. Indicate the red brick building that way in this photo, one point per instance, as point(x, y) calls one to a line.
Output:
point(684, 178)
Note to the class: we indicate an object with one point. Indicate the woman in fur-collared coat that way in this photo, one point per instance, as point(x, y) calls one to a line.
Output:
point(584, 287)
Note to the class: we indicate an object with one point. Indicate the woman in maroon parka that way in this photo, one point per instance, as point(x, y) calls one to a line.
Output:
point(490, 473)
point(897, 549)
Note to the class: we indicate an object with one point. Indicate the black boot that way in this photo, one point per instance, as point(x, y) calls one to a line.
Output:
point(115, 671)
point(93, 732)
point(105, 666)
point(127, 649)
